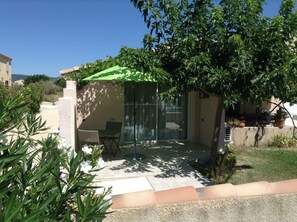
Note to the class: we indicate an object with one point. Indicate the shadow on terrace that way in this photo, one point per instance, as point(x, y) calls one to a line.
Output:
point(166, 162)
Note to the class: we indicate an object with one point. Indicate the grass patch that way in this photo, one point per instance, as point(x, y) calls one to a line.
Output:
point(270, 164)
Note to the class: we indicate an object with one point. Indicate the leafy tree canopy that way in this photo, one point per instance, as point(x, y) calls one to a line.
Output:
point(228, 48)
point(140, 58)
point(36, 78)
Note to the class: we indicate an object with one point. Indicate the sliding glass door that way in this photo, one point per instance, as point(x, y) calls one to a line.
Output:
point(144, 101)
point(172, 118)
point(155, 119)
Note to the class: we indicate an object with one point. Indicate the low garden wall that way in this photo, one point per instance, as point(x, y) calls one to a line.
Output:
point(259, 201)
point(250, 136)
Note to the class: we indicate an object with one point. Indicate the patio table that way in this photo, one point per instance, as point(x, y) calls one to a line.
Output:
point(109, 135)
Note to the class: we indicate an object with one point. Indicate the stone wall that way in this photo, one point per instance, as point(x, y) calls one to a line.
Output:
point(247, 136)
point(259, 201)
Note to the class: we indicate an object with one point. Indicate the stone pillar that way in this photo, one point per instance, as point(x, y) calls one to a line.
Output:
point(67, 113)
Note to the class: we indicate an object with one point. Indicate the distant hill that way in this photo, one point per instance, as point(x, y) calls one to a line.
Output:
point(16, 77)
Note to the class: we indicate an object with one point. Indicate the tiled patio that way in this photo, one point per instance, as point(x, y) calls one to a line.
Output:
point(165, 167)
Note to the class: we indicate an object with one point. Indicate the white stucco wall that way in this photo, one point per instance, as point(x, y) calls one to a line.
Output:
point(99, 102)
point(67, 113)
point(201, 118)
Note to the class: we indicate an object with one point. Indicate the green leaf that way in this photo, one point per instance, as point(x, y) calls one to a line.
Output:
point(2, 148)
point(32, 216)
point(13, 207)
point(80, 205)
point(9, 173)
point(40, 209)
point(10, 158)
point(38, 175)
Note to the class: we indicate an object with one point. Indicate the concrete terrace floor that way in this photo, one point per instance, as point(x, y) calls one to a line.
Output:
point(166, 166)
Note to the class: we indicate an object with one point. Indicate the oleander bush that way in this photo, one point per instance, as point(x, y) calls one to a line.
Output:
point(42, 180)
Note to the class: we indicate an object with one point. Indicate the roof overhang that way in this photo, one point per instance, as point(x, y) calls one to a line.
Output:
point(5, 57)
point(67, 71)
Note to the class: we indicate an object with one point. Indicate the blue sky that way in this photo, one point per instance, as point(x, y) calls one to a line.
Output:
point(45, 36)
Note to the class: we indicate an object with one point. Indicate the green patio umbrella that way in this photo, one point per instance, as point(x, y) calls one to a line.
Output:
point(123, 74)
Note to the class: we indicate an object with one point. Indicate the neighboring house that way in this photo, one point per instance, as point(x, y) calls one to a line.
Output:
point(5, 70)
point(19, 82)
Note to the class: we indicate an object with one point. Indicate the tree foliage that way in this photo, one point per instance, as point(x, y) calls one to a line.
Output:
point(36, 78)
point(90, 69)
point(225, 47)
point(229, 49)
point(60, 82)
point(141, 59)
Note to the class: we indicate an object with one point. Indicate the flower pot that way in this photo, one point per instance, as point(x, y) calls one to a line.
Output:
point(280, 123)
point(241, 124)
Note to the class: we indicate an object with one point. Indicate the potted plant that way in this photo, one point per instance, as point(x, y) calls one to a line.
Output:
point(280, 117)
point(241, 122)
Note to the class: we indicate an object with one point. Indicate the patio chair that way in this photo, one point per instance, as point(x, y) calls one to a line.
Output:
point(91, 139)
point(112, 135)
point(88, 137)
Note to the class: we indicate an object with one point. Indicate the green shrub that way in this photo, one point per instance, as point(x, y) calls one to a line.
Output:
point(60, 82)
point(49, 87)
point(42, 180)
point(225, 167)
point(282, 141)
point(36, 78)
point(44, 91)
point(48, 90)
point(51, 98)
point(7, 92)
point(33, 95)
